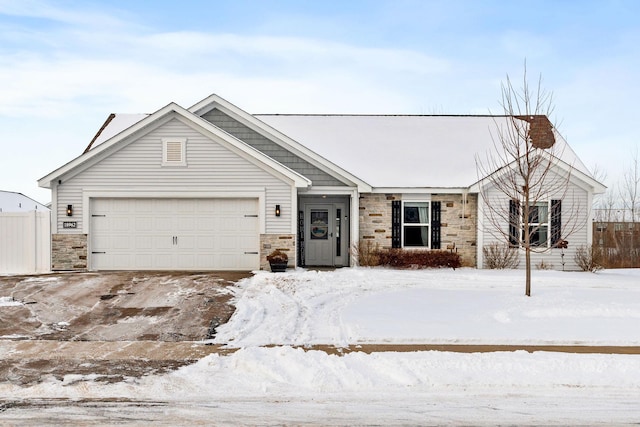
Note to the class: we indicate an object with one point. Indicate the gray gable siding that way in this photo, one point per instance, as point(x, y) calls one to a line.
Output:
point(270, 148)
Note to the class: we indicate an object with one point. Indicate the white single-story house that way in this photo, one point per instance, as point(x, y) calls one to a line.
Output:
point(213, 187)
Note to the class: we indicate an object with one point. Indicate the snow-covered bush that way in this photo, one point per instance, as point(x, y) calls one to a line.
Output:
point(497, 256)
point(589, 258)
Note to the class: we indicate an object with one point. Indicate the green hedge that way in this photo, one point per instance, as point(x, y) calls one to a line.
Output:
point(402, 258)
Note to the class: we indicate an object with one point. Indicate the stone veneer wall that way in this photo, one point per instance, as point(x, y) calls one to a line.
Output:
point(69, 252)
point(459, 226)
point(375, 219)
point(271, 242)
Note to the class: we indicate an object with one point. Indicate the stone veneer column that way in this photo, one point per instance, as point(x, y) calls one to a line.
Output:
point(270, 242)
point(375, 218)
point(69, 252)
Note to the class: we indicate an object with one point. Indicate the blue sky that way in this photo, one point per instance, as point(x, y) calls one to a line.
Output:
point(65, 65)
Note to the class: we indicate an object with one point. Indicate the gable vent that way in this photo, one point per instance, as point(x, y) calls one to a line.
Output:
point(174, 152)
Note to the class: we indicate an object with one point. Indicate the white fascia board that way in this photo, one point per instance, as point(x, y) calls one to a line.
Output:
point(420, 190)
point(214, 101)
point(314, 191)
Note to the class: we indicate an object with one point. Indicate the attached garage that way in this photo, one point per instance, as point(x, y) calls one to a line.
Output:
point(174, 233)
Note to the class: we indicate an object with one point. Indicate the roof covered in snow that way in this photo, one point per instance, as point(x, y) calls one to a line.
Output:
point(18, 202)
point(114, 124)
point(387, 151)
point(406, 150)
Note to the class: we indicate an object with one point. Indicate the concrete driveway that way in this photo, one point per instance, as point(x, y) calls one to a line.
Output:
point(116, 323)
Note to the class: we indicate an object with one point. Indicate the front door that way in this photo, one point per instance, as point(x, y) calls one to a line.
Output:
point(325, 238)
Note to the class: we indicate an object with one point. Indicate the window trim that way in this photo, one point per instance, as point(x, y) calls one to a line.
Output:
point(420, 224)
point(183, 152)
point(536, 226)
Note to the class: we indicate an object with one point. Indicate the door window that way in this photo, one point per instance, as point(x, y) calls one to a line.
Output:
point(319, 224)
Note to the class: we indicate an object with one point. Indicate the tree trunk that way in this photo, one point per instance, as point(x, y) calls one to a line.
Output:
point(527, 291)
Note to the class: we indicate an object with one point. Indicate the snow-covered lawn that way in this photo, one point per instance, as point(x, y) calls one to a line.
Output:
point(260, 385)
point(468, 306)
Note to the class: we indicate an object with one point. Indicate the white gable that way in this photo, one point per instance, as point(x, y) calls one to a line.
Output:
point(401, 151)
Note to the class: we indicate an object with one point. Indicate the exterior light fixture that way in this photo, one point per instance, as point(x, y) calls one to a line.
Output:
point(69, 210)
point(277, 210)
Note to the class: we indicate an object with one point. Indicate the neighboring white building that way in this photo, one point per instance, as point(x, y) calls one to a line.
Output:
point(18, 202)
point(214, 187)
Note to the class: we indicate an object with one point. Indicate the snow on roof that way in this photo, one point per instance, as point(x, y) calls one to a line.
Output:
point(115, 124)
point(386, 150)
point(18, 202)
point(401, 151)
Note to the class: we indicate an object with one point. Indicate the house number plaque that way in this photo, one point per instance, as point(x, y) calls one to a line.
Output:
point(69, 224)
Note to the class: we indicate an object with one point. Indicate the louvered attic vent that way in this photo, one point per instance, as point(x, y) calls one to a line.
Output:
point(174, 152)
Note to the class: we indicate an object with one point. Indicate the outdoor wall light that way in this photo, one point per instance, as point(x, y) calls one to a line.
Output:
point(277, 210)
point(69, 210)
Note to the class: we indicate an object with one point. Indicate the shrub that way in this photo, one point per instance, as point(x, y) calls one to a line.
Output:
point(402, 258)
point(589, 258)
point(367, 253)
point(500, 256)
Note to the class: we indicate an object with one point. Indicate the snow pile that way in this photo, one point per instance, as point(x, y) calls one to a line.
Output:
point(467, 306)
point(9, 302)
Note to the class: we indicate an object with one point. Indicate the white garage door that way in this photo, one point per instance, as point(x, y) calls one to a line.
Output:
point(181, 234)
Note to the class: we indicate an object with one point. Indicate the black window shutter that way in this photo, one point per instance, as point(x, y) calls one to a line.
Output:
point(556, 222)
point(514, 223)
point(435, 225)
point(396, 223)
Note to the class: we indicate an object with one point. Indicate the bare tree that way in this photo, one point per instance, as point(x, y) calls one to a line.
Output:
point(525, 167)
point(630, 188)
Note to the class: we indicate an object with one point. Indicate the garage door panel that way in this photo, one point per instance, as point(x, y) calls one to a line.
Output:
point(174, 234)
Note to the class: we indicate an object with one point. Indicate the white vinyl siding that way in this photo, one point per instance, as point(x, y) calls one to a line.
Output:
point(212, 167)
point(575, 211)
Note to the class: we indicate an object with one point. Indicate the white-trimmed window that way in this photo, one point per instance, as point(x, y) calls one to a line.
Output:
point(545, 223)
point(539, 224)
point(174, 152)
point(416, 223)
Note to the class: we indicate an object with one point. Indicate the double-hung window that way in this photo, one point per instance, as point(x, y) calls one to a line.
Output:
point(545, 224)
point(539, 224)
point(415, 224)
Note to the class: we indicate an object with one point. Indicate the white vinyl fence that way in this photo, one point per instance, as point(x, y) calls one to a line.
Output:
point(25, 242)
